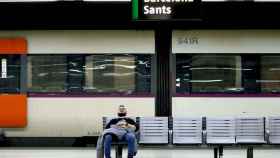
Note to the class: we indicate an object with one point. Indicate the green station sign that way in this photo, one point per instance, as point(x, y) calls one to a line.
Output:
point(165, 9)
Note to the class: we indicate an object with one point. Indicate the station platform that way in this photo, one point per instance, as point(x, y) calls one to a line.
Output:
point(90, 152)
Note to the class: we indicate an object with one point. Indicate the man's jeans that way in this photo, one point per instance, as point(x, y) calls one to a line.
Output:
point(128, 137)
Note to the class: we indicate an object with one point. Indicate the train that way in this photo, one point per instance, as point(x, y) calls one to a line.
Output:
point(70, 79)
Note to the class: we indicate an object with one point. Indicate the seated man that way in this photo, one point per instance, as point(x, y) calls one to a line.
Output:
point(121, 128)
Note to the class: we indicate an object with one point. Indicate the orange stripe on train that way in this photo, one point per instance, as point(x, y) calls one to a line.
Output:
point(13, 111)
point(13, 46)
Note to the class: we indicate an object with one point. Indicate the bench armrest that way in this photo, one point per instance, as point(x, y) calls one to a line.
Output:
point(204, 136)
point(267, 135)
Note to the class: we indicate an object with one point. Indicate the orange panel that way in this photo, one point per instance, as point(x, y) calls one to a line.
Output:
point(13, 46)
point(13, 112)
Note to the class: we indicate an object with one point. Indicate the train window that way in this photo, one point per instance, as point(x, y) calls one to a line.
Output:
point(10, 74)
point(76, 73)
point(47, 73)
point(117, 73)
point(269, 74)
point(208, 74)
point(89, 74)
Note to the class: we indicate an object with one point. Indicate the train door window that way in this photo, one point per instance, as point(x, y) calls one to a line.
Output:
point(270, 74)
point(76, 73)
point(10, 74)
point(117, 74)
point(208, 74)
point(143, 73)
point(47, 73)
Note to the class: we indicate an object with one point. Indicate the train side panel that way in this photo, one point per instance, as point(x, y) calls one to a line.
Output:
point(76, 117)
point(225, 106)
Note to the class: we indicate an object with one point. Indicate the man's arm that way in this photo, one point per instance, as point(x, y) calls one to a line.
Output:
point(111, 122)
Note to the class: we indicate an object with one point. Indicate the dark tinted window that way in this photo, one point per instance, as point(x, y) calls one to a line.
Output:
point(118, 73)
point(47, 73)
point(270, 74)
point(208, 73)
point(126, 74)
point(10, 74)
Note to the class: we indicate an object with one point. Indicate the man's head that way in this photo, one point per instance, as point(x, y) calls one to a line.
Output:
point(122, 111)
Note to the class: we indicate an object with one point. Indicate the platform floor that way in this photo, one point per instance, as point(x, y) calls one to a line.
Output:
point(143, 153)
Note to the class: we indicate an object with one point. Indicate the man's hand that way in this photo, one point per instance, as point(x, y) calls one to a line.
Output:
point(131, 126)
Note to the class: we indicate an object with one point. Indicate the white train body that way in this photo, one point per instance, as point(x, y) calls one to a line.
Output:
point(227, 42)
point(82, 116)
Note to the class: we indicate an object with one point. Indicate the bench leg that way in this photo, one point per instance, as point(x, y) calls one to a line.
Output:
point(250, 152)
point(119, 149)
point(215, 152)
point(221, 151)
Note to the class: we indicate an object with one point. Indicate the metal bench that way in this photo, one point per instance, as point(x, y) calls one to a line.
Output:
point(215, 131)
point(153, 130)
point(220, 132)
point(187, 130)
point(118, 144)
point(250, 130)
point(273, 129)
